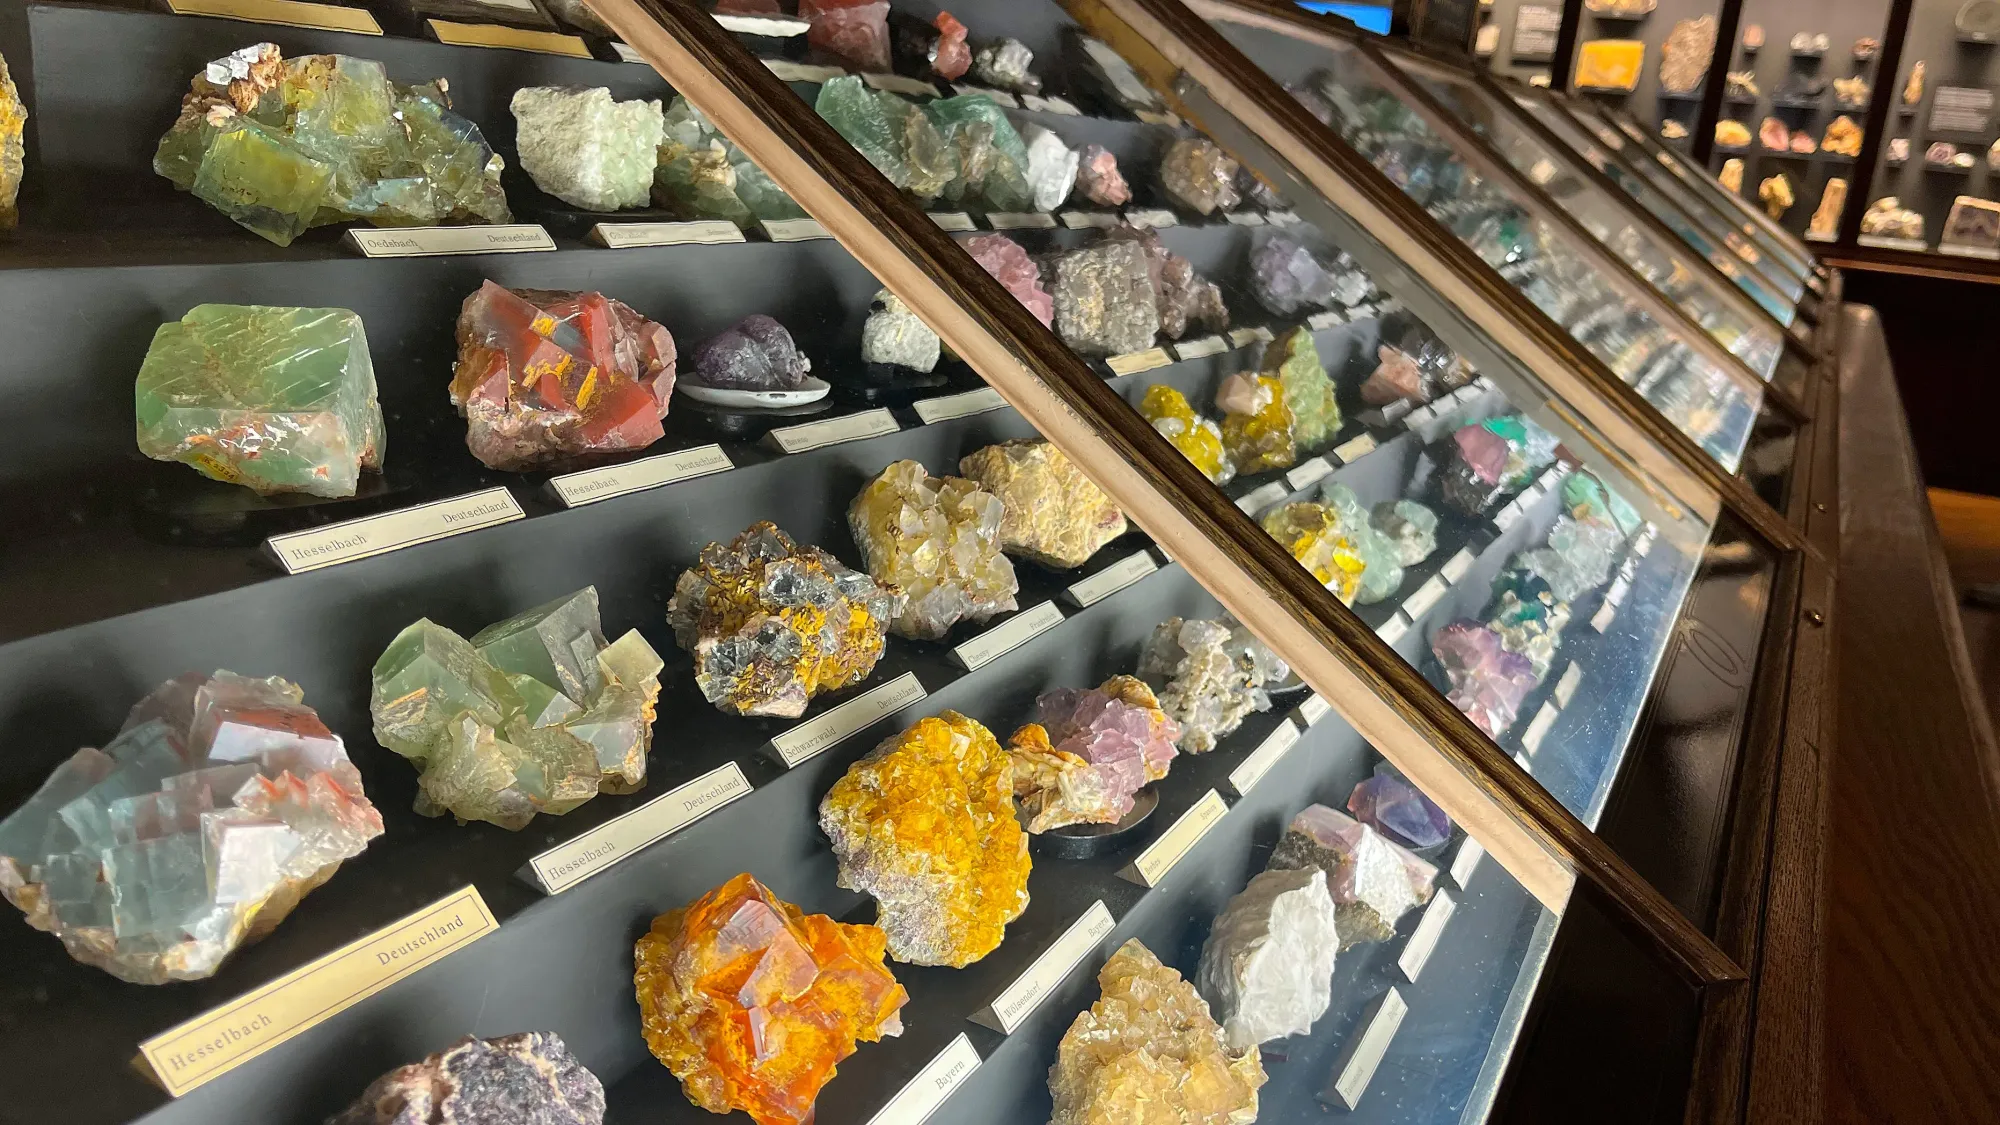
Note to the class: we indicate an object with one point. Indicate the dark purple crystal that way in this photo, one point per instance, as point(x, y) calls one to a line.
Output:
point(1396, 809)
point(756, 354)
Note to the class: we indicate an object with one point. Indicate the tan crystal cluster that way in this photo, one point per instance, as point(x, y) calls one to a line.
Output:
point(925, 823)
point(1053, 514)
point(938, 539)
point(1148, 1053)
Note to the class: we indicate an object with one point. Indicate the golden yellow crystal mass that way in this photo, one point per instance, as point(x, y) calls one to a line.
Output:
point(1311, 532)
point(1053, 513)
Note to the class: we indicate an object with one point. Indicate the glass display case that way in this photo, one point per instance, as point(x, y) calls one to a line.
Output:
point(956, 555)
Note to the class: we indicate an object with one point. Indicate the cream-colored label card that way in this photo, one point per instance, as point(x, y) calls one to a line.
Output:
point(1459, 564)
point(1330, 318)
point(833, 431)
point(1200, 347)
point(1601, 620)
point(901, 84)
point(566, 865)
point(704, 232)
point(916, 1102)
point(1426, 596)
point(1152, 117)
point(773, 27)
point(368, 536)
point(788, 71)
point(1177, 841)
point(290, 13)
point(1393, 629)
point(946, 407)
point(432, 242)
point(1245, 218)
point(1020, 999)
point(956, 221)
point(1257, 334)
point(1262, 497)
point(592, 485)
point(1079, 220)
point(1616, 595)
point(1365, 1051)
point(815, 735)
point(1466, 862)
point(1538, 728)
point(1307, 473)
point(1154, 217)
point(1348, 452)
point(1258, 762)
point(1020, 220)
point(1566, 686)
point(1507, 517)
point(186, 1056)
point(1007, 636)
point(1134, 362)
point(1313, 709)
point(1424, 939)
point(793, 230)
point(509, 38)
point(1112, 579)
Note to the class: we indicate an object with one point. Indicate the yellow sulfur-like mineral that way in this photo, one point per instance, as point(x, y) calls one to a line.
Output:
point(1198, 439)
point(13, 123)
point(1053, 513)
point(1311, 532)
point(938, 539)
point(1256, 424)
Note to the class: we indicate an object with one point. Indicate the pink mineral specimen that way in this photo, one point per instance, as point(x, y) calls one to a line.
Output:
point(953, 57)
point(1118, 728)
point(1487, 682)
point(1006, 260)
point(1098, 178)
point(1483, 451)
point(854, 31)
point(1396, 377)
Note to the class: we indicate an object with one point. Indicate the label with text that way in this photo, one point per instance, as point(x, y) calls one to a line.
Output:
point(1459, 564)
point(953, 221)
point(290, 13)
point(1393, 629)
point(1112, 579)
point(1154, 217)
point(1538, 729)
point(946, 407)
point(1365, 1051)
point(1252, 768)
point(1601, 620)
point(1256, 334)
point(815, 735)
point(1566, 686)
point(704, 232)
point(1177, 841)
point(788, 71)
point(1313, 709)
point(368, 536)
point(622, 837)
point(628, 53)
point(1081, 220)
point(1308, 473)
point(775, 27)
point(997, 97)
point(1020, 220)
point(1466, 862)
point(901, 84)
point(1329, 318)
point(1347, 453)
point(1245, 218)
point(1258, 499)
point(1021, 998)
point(1199, 348)
point(1425, 937)
point(932, 1085)
point(591, 485)
point(833, 431)
point(432, 242)
point(1133, 362)
point(1007, 636)
point(216, 1041)
point(509, 38)
point(1427, 595)
point(793, 230)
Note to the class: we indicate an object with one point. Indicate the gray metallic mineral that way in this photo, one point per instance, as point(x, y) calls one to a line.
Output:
point(1104, 299)
point(526, 1079)
point(1267, 969)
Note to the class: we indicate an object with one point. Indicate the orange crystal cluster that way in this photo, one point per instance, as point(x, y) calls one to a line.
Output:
point(751, 1002)
point(925, 823)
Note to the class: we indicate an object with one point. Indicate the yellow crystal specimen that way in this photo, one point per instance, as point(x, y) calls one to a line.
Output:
point(1053, 514)
point(1609, 64)
point(925, 823)
point(1148, 1053)
point(1293, 361)
point(1256, 423)
point(938, 538)
point(1198, 439)
point(1055, 787)
point(13, 123)
point(1311, 532)
point(751, 1002)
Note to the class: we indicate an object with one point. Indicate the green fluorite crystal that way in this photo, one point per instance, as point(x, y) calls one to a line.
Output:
point(535, 714)
point(282, 146)
point(1382, 573)
point(992, 158)
point(274, 399)
point(1294, 362)
point(896, 136)
point(701, 175)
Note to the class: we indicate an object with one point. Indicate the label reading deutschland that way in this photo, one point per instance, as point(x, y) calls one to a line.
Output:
point(1308, 473)
point(1007, 636)
point(1020, 220)
point(1112, 579)
point(1177, 841)
point(1021, 998)
point(216, 1041)
point(592, 485)
point(833, 431)
point(1566, 687)
point(291, 13)
point(1133, 362)
point(793, 230)
point(511, 38)
point(946, 407)
point(622, 837)
point(706, 232)
point(1425, 937)
point(1253, 767)
point(815, 735)
point(1347, 453)
point(362, 538)
point(932, 1085)
point(431, 242)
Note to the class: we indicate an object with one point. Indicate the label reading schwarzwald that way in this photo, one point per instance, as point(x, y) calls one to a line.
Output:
point(704, 232)
point(362, 538)
point(1007, 636)
point(817, 734)
point(1020, 999)
point(1112, 579)
point(832, 431)
point(431, 242)
point(290, 13)
point(566, 865)
point(592, 485)
point(1177, 841)
point(932, 1085)
point(206, 1046)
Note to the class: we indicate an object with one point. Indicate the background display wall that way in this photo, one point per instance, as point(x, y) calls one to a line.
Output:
point(1521, 38)
point(1954, 43)
point(1649, 99)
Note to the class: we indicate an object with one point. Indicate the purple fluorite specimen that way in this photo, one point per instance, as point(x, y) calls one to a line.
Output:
point(1129, 744)
point(527, 1079)
point(755, 354)
point(1394, 807)
point(1487, 682)
point(1286, 277)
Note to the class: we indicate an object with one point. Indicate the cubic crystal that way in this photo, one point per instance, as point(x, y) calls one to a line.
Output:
point(855, 32)
point(1198, 439)
point(586, 149)
point(1052, 513)
point(1098, 178)
point(1198, 175)
point(1257, 426)
point(1010, 265)
point(1209, 677)
point(937, 540)
point(526, 1079)
point(1373, 881)
point(1104, 299)
point(1399, 810)
point(754, 354)
point(1267, 967)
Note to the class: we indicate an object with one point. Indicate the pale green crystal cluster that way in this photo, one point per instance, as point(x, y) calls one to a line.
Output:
point(274, 399)
point(535, 714)
point(282, 146)
point(701, 175)
point(962, 149)
point(585, 148)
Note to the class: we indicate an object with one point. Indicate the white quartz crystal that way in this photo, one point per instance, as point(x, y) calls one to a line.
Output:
point(1267, 969)
point(586, 149)
point(895, 335)
point(1051, 167)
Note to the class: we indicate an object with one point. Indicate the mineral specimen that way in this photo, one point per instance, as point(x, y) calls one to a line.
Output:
point(925, 823)
point(1053, 514)
point(1741, 84)
point(1410, 526)
point(1004, 63)
point(545, 377)
point(1802, 143)
point(751, 1002)
point(1098, 179)
point(1055, 787)
point(896, 336)
point(855, 32)
point(701, 175)
point(1731, 176)
point(1865, 48)
point(1972, 222)
point(1286, 278)
point(1610, 64)
point(1529, 618)
point(586, 149)
point(1382, 566)
point(1184, 298)
point(1396, 376)
point(1373, 882)
point(526, 1079)
point(1293, 361)
point(1116, 727)
point(754, 354)
point(284, 146)
point(897, 137)
point(1198, 175)
point(274, 399)
point(771, 623)
point(1148, 1051)
point(1267, 967)
point(1889, 218)
point(1052, 167)
point(1773, 134)
point(1843, 136)
point(1851, 93)
point(938, 541)
point(989, 160)
point(1398, 810)
point(1730, 133)
point(1256, 424)
point(1826, 217)
point(1198, 439)
point(1776, 194)
point(1010, 265)
point(13, 125)
point(934, 46)
point(220, 804)
point(1899, 150)
point(1487, 682)
point(1104, 299)
point(1576, 558)
point(1913, 88)
point(1685, 54)
point(535, 714)
point(1313, 534)
point(1208, 680)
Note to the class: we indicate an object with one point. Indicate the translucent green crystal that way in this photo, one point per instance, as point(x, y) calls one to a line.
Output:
point(701, 175)
point(895, 136)
point(992, 158)
point(275, 399)
point(1294, 362)
point(1382, 571)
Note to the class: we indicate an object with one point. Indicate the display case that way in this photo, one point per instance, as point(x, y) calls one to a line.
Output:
point(974, 554)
